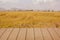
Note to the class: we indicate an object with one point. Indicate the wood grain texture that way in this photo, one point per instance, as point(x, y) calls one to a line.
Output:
point(30, 34)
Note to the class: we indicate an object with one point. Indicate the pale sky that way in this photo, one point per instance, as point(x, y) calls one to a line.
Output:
point(31, 4)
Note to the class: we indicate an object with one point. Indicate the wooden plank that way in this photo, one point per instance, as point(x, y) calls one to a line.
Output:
point(30, 34)
point(2, 30)
point(57, 30)
point(53, 34)
point(13, 35)
point(22, 34)
point(46, 35)
point(38, 34)
point(5, 35)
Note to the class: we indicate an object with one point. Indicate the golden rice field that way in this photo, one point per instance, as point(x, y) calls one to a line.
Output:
point(29, 19)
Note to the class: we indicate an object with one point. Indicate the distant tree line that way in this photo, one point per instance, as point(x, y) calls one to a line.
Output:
point(16, 9)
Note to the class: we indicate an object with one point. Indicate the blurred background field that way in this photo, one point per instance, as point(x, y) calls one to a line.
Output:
point(29, 19)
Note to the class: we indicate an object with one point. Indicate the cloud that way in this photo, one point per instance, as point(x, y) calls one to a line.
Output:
point(40, 1)
point(30, 4)
point(49, 5)
point(13, 1)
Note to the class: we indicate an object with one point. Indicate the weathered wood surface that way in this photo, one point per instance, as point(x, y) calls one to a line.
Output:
point(29, 33)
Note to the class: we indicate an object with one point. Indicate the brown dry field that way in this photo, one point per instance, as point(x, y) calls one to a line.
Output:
point(29, 19)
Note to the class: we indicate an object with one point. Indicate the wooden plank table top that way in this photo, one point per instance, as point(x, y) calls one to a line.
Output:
point(29, 33)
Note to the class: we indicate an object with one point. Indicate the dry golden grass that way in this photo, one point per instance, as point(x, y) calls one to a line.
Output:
point(29, 19)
